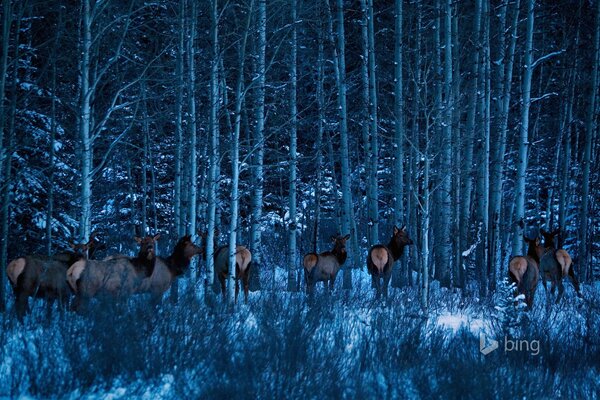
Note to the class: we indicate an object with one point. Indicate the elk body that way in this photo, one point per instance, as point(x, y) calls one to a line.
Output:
point(524, 270)
point(381, 259)
point(121, 276)
point(243, 259)
point(324, 267)
point(45, 276)
point(562, 262)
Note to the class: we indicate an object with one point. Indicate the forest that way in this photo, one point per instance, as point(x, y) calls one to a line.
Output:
point(276, 130)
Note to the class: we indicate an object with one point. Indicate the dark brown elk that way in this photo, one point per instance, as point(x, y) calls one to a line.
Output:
point(381, 259)
point(524, 270)
point(45, 276)
point(562, 258)
point(324, 267)
point(243, 260)
point(120, 276)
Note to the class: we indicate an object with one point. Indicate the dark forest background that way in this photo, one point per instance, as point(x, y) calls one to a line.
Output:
point(471, 122)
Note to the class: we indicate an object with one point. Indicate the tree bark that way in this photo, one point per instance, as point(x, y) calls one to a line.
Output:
point(519, 221)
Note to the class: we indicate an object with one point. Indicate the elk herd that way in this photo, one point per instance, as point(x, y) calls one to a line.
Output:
point(79, 276)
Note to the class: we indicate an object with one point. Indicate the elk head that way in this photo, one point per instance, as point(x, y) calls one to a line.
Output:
point(147, 247)
point(400, 237)
point(549, 237)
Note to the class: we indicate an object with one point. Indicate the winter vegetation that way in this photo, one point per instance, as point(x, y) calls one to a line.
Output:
point(433, 163)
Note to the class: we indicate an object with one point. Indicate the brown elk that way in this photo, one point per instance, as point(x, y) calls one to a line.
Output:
point(243, 260)
point(121, 276)
point(324, 267)
point(381, 259)
point(44, 276)
point(562, 257)
point(524, 270)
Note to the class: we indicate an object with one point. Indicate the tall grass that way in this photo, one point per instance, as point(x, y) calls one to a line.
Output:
point(343, 345)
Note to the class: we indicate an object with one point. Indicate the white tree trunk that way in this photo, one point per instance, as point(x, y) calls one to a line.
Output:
point(292, 258)
point(519, 221)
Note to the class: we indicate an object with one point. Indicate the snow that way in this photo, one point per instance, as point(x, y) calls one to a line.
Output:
point(455, 322)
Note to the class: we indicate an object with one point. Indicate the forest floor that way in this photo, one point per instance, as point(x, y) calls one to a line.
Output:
point(343, 345)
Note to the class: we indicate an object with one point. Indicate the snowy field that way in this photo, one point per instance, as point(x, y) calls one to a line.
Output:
point(279, 346)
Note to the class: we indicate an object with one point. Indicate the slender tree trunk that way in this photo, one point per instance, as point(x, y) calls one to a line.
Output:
point(144, 165)
point(5, 150)
point(469, 139)
point(483, 178)
point(444, 250)
point(497, 170)
point(213, 159)
point(320, 131)
point(259, 136)
point(398, 145)
point(177, 203)
point(192, 126)
point(53, 116)
point(590, 133)
point(519, 222)
point(340, 72)
point(85, 113)
point(292, 262)
point(374, 142)
point(235, 145)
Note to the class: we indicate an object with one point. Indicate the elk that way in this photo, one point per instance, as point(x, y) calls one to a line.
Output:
point(243, 259)
point(121, 276)
point(562, 257)
point(44, 276)
point(381, 259)
point(524, 270)
point(324, 267)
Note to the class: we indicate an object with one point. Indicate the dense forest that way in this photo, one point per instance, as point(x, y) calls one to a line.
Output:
point(279, 124)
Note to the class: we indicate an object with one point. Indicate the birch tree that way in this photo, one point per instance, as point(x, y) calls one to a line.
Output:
point(235, 153)
point(399, 132)
point(259, 135)
point(213, 158)
point(590, 134)
point(292, 224)
point(519, 221)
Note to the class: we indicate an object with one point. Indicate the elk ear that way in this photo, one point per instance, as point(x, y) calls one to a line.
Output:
point(403, 229)
point(155, 238)
point(396, 230)
point(347, 237)
point(138, 240)
point(333, 238)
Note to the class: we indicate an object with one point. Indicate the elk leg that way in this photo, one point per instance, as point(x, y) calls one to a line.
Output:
point(21, 305)
point(375, 284)
point(574, 281)
point(49, 303)
point(332, 282)
point(561, 289)
point(386, 282)
point(222, 281)
point(237, 290)
point(246, 282)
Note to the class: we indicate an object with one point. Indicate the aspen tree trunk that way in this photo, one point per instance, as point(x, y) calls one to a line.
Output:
point(213, 159)
point(320, 131)
point(484, 155)
point(469, 140)
point(340, 72)
point(259, 136)
point(235, 151)
point(292, 260)
point(5, 149)
point(179, 223)
point(374, 142)
point(590, 133)
point(398, 145)
point(364, 112)
point(193, 133)
point(51, 167)
point(504, 74)
point(144, 164)
point(85, 121)
point(412, 198)
point(444, 250)
point(177, 196)
point(519, 221)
